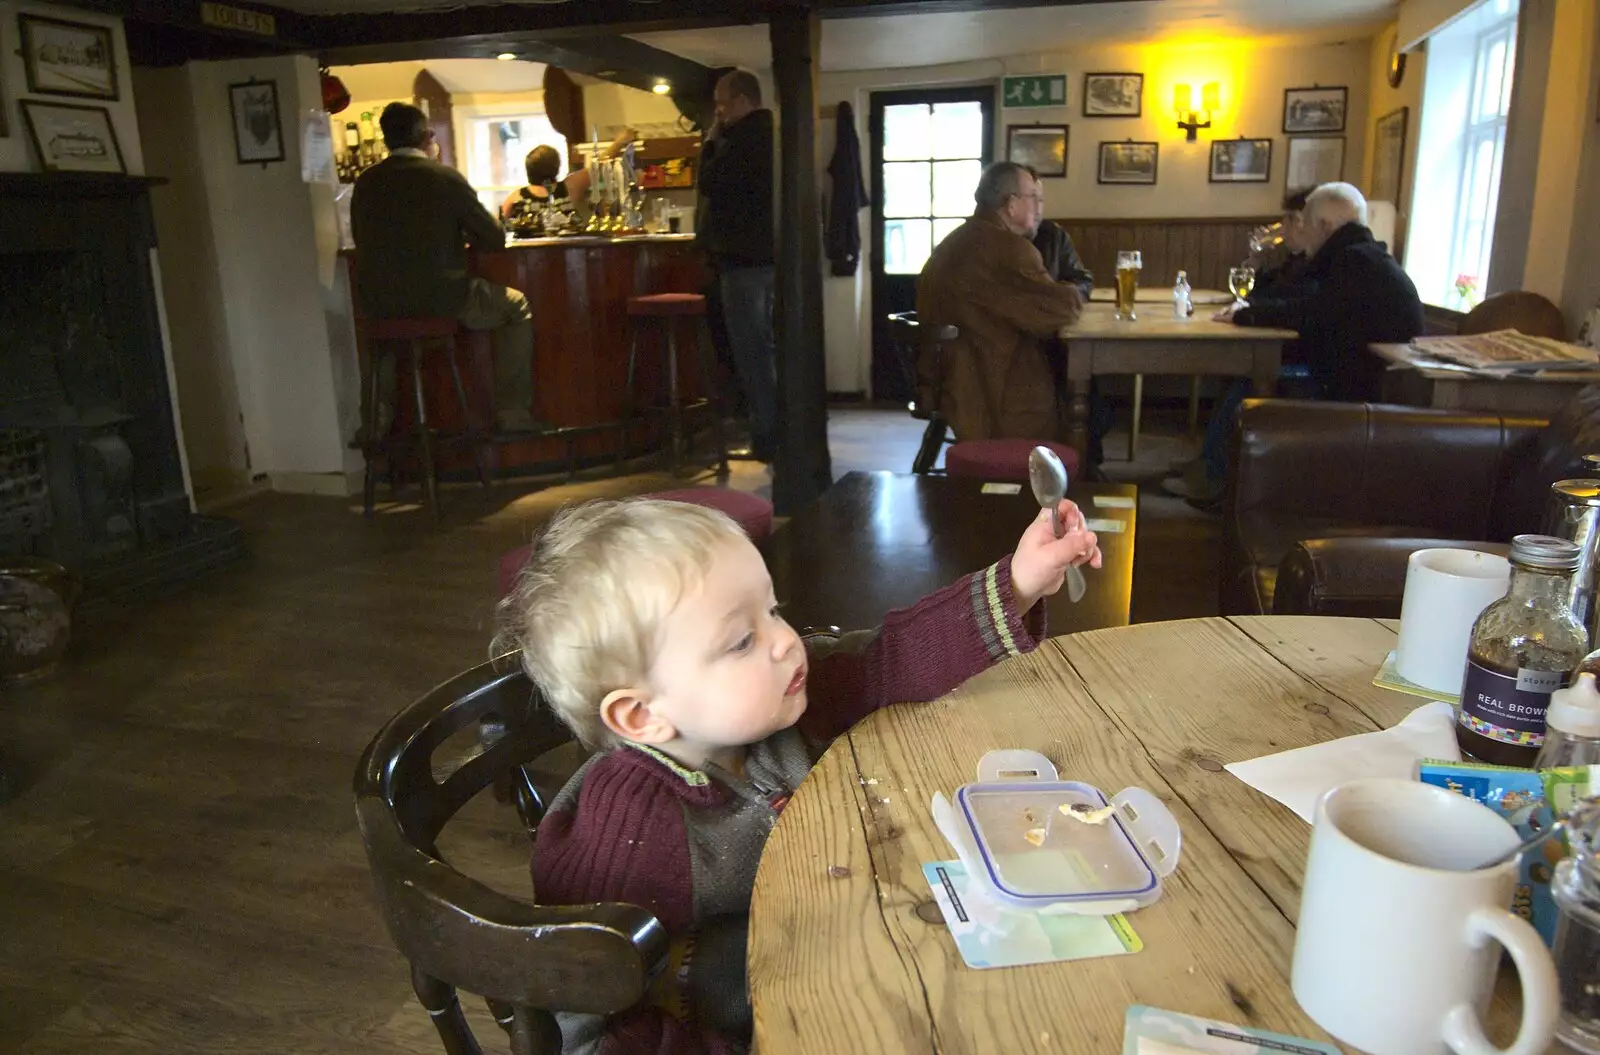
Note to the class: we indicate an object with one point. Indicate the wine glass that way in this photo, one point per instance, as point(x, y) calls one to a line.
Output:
point(1241, 280)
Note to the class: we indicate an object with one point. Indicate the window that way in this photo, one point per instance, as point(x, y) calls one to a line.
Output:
point(932, 158)
point(1466, 99)
point(495, 146)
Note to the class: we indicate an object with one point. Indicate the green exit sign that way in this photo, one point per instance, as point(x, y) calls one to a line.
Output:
point(1040, 90)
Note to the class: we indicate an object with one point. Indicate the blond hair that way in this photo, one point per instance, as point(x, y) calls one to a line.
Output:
point(588, 606)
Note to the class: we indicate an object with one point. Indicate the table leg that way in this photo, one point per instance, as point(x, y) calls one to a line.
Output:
point(1133, 422)
point(1194, 404)
point(1267, 357)
point(1080, 363)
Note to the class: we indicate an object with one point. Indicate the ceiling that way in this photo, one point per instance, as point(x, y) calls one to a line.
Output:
point(870, 43)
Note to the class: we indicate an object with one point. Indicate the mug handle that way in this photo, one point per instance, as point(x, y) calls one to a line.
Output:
point(1541, 997)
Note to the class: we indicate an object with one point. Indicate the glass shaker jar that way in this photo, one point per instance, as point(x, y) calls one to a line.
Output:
point(1576, 889)
point(1524, 647)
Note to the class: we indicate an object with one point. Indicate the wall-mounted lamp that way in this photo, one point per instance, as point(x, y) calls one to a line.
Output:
point(1188, 118)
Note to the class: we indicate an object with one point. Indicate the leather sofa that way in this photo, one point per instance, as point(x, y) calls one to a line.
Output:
point(1326, 501)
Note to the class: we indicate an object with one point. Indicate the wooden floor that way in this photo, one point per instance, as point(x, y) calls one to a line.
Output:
point(179, 866)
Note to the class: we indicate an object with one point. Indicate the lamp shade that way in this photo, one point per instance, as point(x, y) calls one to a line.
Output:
point(1211, 98)
point(1183, 99)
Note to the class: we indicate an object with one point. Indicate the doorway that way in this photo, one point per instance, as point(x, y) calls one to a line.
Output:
point(929, 146)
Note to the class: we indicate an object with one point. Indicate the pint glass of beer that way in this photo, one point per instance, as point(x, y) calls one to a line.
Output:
point(1128, 264)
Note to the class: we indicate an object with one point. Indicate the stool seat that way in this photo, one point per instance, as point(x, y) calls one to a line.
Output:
point(751, 512)
point(1002, 459)
point(667, 304)
point(418, 329)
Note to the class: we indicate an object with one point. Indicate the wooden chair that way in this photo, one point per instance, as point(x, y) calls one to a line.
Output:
point(911, 339)
point(526, 960)
point(1516, 310)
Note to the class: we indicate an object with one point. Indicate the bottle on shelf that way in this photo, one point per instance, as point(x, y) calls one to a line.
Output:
point(1523, 648)
point(1572, 725)
point(1182, 306)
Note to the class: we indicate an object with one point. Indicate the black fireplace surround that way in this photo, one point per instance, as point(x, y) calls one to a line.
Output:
point(90, 473)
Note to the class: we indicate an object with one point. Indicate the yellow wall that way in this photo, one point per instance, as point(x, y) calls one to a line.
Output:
point(1566, 117)
point(1383, 100)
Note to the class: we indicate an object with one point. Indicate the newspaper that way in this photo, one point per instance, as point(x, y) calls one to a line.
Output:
point(1508, 350)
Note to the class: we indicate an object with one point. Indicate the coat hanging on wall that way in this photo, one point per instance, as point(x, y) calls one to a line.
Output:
point(842, 238)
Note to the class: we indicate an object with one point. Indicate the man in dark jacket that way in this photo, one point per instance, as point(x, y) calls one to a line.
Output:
point(1061, 257)
point(737, 234)
point(413, 219)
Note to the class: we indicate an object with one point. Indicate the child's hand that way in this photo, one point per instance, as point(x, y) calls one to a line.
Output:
point(1039, 566)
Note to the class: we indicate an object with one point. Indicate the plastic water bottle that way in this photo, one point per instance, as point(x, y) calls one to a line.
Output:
point(1572, 726)
point(1181, 306)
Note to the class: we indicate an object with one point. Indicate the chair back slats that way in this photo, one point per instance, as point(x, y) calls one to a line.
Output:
point(454, 930)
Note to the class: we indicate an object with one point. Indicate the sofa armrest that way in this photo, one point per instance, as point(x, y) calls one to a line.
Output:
point(1356, 576)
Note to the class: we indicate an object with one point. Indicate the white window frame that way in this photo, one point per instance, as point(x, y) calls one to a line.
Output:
point(466, 117)
point(1479, 131)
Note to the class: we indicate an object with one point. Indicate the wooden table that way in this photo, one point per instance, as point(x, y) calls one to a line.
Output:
point(1156, 343)
point(847, 960)
point(878, 541)
point(1413, 379)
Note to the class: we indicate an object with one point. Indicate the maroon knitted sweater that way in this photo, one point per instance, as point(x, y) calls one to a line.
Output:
point(634, 826)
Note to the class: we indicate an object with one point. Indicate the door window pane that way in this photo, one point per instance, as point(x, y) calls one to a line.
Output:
point(906, 133)
point(953, 184)
point(957, 130)
point(905, 188)
point(944, 227)
point(906, 245)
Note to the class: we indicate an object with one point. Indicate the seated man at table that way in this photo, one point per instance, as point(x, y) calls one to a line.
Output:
point(1351, 293)
point(987, 279)
point(412, 219)
point(651, 629)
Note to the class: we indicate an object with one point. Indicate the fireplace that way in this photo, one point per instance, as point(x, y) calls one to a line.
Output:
point(90, 473)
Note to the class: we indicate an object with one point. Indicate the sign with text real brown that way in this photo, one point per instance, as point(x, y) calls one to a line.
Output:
point(243, 20)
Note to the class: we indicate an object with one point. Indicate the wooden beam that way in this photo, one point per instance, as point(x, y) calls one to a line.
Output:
point(804, 468)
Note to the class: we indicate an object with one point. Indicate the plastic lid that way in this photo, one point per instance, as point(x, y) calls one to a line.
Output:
point(1575, 710)
point(1545, 552)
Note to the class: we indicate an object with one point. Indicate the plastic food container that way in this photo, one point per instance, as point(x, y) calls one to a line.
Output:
point(1016, 842)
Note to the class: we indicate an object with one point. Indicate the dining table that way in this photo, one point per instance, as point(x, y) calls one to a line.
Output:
point(1414, 378)
point(1154, 342)
point(848, 950)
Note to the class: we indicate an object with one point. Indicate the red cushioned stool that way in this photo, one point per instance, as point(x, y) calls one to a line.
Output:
point(751, 512)
point(415, 336)
point(667, 309)
point(1002, 459)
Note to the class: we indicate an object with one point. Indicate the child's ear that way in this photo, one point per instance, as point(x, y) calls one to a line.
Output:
point(627, 713)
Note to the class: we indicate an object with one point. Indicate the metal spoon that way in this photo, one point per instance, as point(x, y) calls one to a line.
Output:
point(1048, 478)
point(1583, 815)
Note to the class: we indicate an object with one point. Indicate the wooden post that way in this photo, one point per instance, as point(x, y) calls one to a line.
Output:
point(803, 469)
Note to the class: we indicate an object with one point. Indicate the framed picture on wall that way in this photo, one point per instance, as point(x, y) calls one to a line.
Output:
point(1113, 94)
point(1389, 155)
point(1128, 162)
point(72, 138)
point(1241, 160)
point(1042, 148)
point(257, 132)
point(1313, 160)
point(1315, 109)
point(68, 58)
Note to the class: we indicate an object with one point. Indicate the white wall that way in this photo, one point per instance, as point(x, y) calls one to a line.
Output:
point(284, 312)
point(16, 149)
point(1252, 80)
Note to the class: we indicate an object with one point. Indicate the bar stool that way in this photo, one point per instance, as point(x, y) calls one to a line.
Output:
point(415, 336)
point(668, 309)
point(1002, 459)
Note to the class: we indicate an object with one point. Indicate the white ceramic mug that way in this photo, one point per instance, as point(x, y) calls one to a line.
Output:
point(1446, 591)
point(1400, 934)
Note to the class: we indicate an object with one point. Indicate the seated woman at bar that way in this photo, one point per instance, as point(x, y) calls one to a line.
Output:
point(543, 165)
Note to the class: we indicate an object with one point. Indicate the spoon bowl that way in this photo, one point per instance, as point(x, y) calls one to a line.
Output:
point(1048, 478)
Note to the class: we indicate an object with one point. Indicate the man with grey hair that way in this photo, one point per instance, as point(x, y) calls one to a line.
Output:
point(987, 279)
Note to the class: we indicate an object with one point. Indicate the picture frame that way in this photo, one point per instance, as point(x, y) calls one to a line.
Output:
point(1113, 94)
point(68, 58)
point(1240, 160)
point(70, 137)
point(1129, 162)
point(257, 126)
point(1311, 161)
point(1389, 156)
point(1042, 148)
point(1314, 109)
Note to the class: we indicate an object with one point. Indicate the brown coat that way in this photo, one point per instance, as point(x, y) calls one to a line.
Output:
point(992, 286)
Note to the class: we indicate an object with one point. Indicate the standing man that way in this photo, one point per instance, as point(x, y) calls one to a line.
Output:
point(413, 219)
point(987, 279)
point(737, 233)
